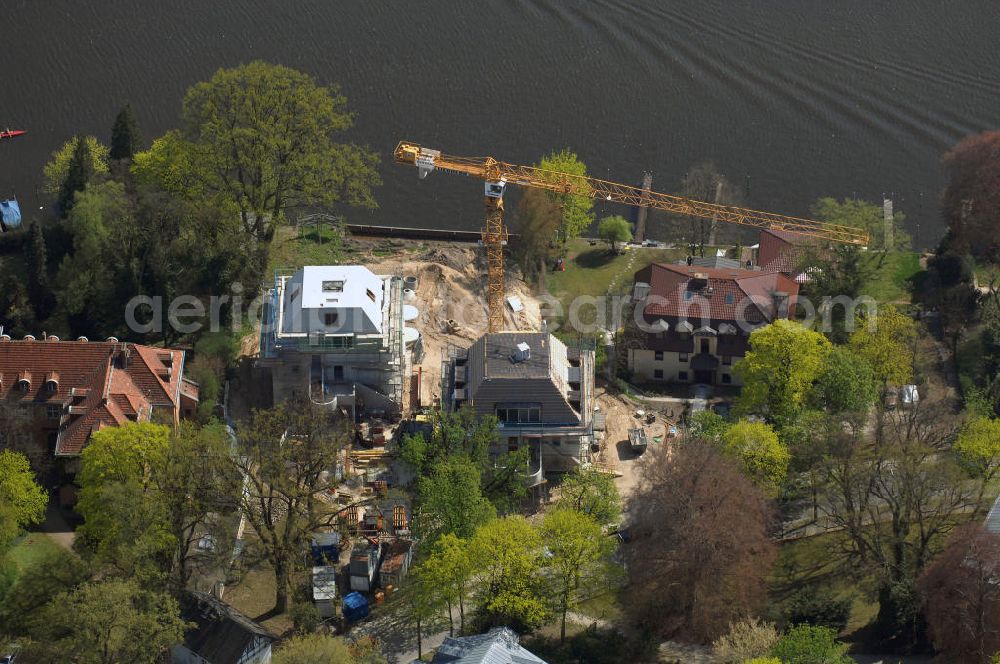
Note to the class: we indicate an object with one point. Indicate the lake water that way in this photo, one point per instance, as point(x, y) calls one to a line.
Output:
point(806, 98)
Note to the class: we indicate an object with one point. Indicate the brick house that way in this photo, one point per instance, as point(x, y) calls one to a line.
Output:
point(62, 391)
point(698, 320)
point(780, 251)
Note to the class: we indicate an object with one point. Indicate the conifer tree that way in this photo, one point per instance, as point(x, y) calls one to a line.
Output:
point(124, 134)
point(37, 274)
point(81, 170)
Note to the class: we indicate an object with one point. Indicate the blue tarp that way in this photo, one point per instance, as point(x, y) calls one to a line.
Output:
point(355, 606)
point(10, 215)
point(325, 548)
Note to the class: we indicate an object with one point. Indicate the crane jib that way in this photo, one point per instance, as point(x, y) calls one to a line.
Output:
point(493, 170)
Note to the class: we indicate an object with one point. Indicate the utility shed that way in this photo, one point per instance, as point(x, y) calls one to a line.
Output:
point(324, 586)
point(395, 563)
point(363, 566)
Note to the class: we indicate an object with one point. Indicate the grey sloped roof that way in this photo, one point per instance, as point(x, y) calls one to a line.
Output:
point(221, 634)
point(498, 646)
point(993, 518)
point(495, 377)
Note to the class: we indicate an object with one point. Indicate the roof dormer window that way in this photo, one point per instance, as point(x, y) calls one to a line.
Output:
point(24, 381)
point(52, 382)
point(333, 286)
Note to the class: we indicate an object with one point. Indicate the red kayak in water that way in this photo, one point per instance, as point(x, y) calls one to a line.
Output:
point(11, 133)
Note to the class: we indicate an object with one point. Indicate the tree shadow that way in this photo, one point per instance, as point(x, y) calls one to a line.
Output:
point(595, 258)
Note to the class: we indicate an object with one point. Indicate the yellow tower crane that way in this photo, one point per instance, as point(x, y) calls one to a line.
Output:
point(498, 174)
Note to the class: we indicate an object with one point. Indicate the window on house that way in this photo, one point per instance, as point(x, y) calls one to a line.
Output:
point(658, 373)
point(682, 375)
point(688, 295)
point(25, 386)
point(330, 318)
point(333, 286)
point(682, 357)
point(727, 359)
point(52, 386)
point(704, 345)
point(53, 412)
point(519, 413)
point(371, 295)
point(727, 379)
point(658, 355)
point(730, 298)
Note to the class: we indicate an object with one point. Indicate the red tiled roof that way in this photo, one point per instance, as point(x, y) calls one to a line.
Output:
point(781, 251)
point(113, 382)
point(716, 294)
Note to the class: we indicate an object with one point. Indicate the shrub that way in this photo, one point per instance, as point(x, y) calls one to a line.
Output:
point(805, 644)
point(745, 640)
point(820, 608)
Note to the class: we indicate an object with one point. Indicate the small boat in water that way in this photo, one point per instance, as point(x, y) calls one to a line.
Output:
point(11, 133)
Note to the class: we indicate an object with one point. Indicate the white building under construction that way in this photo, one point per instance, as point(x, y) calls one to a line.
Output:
point(334, 334)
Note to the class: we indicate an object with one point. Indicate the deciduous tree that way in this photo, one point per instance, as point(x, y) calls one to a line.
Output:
point(578, 553)
point(961, 599)
point(806, 644)
point(110, 621)
point(465, 433)
point(316, 648)
point(886, 343)
point(591, 492)
point(614, 230)
point(896, 501)
point(285, 454)
point(507, 553)
point(847, 384)
point(778, 371)
point(262, 138)
point(763, 457)
point(700, 554)
point(125, 521)
point(536, 222)
point(22, 501)
point(451, 500)
point(576, 209)
point(867, 216)
point(450, 570)
point(971, 201)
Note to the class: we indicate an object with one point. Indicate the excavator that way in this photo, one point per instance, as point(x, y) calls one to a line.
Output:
point(498, 174)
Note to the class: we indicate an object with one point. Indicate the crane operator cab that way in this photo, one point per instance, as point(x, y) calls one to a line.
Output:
point(494, 189)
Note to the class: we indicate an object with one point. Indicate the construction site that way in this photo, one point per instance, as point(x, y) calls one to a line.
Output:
point(383, 340)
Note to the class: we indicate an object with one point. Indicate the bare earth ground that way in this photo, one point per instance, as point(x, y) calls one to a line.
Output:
point(452, 285)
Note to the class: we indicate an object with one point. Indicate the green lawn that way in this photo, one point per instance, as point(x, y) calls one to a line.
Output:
point(814, 562)
point(892, 282)
point(591, 270)
point(294, 248)
point(29, 549)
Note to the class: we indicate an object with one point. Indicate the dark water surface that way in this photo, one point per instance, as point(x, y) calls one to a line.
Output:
point(806, 97)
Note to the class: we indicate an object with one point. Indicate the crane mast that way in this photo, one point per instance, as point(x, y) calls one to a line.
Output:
point(499, 174)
